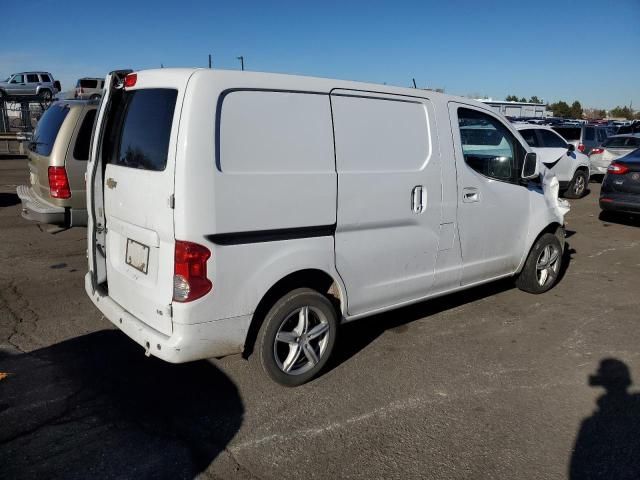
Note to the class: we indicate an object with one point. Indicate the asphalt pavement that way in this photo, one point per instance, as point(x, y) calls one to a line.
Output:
point(488, 383)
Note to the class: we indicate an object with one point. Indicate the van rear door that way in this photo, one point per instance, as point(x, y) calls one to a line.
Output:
point(139, 152)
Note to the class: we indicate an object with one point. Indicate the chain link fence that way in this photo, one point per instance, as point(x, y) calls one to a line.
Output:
point(20, 117)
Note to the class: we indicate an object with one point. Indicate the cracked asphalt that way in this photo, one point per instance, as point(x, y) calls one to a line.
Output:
point(488, 383)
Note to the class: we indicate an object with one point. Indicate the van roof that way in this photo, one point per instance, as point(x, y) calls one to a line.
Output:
point(299, 82)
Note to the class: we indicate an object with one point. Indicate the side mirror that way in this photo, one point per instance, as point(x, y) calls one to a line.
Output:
point(530, 167)
point(571, 147)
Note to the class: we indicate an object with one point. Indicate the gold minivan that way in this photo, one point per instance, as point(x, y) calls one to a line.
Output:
point(58, 154)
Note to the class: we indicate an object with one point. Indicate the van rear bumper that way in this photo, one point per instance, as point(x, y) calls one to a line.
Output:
point(37, 209)
point(187, 343)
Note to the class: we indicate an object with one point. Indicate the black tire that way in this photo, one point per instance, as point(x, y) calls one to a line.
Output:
point(284, 314)
point(45, 95)
point(578, 186)
point(95, 96)
point(529, 279)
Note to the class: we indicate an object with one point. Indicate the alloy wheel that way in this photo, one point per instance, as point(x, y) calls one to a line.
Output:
point(548, 264)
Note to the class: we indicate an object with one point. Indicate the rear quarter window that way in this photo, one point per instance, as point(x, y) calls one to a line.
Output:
point(83, 139)
point(139, 130)
point(45, 78)
point(47, 129)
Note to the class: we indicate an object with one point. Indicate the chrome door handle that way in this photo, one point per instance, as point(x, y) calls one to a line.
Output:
point(470, 195)
point(418, 199)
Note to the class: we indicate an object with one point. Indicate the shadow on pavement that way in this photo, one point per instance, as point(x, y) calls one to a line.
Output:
point(608, 442)
point(96, 407)
point(357, 335)
point(8, 199)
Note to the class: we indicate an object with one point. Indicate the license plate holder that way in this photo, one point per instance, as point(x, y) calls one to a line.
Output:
point(137, 256)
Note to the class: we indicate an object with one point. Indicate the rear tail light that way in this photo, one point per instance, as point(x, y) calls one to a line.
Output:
point(130, 80)
point(617, 169)
point(595, 151)
point(190, 271)
point(581, 147)
point(59, 183)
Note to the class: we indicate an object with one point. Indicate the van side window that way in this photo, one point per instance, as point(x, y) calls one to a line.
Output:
point(81, 150)
point(488, 146)
point(380, 134)
point(589, 134)
point(271, 131)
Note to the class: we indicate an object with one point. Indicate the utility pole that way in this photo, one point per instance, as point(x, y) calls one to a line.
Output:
point(241, 58)
point(414, 83)
point(209, 60)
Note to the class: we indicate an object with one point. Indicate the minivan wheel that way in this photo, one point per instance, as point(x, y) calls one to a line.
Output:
point(578, 185)
point(542, 267)
point(297, 337)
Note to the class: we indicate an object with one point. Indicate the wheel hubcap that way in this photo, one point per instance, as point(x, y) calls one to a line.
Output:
point(579, 186)
point(547, 264)
point(301, 340)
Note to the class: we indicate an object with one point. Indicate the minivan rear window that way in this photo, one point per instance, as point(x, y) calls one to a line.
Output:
point(47, 129)
point(87, 83)
point(140, 129)
point(570, 133)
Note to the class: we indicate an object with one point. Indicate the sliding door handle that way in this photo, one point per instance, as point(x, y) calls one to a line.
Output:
point(470, 195)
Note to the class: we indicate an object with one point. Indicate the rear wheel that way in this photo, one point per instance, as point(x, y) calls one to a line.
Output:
point(297, 337)
point(95, 96)
point(45, 95)
point(542, 267)
point(578, 185)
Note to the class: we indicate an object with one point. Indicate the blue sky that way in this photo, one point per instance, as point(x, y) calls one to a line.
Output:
point(558, 50)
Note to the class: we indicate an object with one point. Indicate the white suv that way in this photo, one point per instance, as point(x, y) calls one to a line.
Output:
point(570, 166)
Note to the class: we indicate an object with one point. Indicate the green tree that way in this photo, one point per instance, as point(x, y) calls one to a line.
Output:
point(535, 99)
point(560, 109)
point(523, 100)
point(621, 112)
point(576, 109)
point(511, 98)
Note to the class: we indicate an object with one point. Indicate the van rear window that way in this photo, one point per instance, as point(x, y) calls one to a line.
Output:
point(88, 83)
point(47, 129)
point(140, 129)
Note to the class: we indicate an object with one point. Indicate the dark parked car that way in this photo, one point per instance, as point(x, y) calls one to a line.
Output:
point(621, 185)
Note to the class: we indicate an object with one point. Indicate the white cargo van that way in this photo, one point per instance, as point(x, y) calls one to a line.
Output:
point(249, 212)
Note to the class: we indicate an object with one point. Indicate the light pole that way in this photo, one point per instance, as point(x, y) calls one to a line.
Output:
point(241, 58)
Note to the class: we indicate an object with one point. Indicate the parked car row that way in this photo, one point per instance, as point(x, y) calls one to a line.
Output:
point(283, 206)
point(42, 86)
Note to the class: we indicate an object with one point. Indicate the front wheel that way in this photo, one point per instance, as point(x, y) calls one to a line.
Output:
point(297, 337)
point(578, 185)
point(542, 267)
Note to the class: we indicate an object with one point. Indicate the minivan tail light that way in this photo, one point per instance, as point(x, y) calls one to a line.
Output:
point(595, 151)
point(190, 271)
point(130, 80)
point(617, 169)
point(59, 182)
point(581, 147)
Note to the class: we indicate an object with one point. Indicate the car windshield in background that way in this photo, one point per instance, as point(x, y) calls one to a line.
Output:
point(143, 124)
point(47, 130)
point(570, 133)
point(622, 142)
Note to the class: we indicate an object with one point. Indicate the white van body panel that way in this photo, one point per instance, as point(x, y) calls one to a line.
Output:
point(256, 182)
